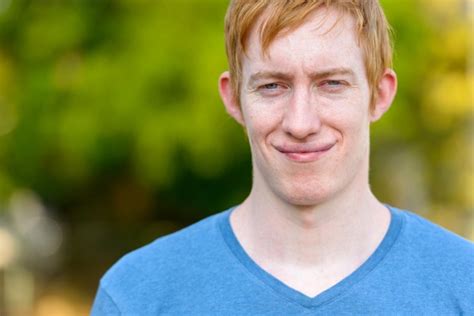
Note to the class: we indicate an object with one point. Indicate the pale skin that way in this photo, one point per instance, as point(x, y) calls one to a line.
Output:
point(310, 219)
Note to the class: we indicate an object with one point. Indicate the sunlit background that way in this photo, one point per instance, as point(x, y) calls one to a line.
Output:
point(112, 133)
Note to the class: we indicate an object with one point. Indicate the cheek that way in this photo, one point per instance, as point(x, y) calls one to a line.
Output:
point(357, 133)
point(261, 118)
point(347, 116)
point(351, 124)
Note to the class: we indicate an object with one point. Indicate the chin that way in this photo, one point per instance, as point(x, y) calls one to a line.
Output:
point(304, 201)
point(304, 194)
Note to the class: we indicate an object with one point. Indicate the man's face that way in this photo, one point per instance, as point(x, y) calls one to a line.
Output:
point(305, 106)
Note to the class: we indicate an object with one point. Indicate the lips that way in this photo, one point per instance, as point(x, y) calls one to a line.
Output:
point(304, 152)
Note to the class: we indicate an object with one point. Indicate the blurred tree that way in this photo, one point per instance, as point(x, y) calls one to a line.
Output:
point(109, 111)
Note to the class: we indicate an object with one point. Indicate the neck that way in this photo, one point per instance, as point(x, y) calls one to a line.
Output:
point(347, 228)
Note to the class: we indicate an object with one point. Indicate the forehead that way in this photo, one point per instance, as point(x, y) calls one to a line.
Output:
point(327, 38)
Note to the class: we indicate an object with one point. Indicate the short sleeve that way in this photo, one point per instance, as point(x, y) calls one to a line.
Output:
point(104, 305)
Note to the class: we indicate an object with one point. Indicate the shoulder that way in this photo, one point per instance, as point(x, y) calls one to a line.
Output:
point(185, 244)
point(165, 261)
point(435, 254)
point(429, 237)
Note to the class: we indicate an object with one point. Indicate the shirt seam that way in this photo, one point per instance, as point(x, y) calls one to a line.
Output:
point(377, 266)
point(102, 286)
point(255, 278)
point(309, 307)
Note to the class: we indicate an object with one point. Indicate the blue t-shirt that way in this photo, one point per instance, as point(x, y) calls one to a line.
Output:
point(418, 269)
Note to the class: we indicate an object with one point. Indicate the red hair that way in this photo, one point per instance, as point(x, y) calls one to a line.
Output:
point(372, 29)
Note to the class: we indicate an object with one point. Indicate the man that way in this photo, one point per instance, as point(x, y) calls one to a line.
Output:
point(306, 80)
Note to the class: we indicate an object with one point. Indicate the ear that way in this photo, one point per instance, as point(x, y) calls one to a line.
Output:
point(227, 95)
point(386, 91)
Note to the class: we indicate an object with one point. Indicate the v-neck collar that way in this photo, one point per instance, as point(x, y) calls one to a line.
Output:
point(396, 223)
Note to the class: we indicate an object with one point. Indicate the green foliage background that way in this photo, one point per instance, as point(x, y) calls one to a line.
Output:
point(109, 112)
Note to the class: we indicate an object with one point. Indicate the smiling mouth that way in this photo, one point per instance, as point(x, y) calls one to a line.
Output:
point(303, 154)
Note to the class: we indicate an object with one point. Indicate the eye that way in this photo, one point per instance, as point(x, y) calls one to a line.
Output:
point(333, 86)
point(333, 83)
point(270, 86)
point(272, 89)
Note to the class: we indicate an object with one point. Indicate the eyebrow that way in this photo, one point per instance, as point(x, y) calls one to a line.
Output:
point(333, 72)
point(261, 75)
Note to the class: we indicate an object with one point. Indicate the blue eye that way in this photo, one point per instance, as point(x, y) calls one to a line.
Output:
point(272, 89)
point(270, 86)
point(333, 86)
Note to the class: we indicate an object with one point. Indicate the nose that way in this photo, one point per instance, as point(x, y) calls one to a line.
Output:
point(301, 118)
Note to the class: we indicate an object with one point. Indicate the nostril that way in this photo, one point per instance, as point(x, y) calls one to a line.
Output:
point(300, 125)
